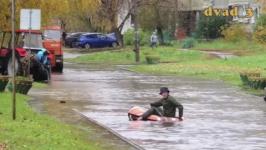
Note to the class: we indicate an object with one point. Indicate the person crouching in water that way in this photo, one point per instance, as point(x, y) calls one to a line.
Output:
point(169, 104)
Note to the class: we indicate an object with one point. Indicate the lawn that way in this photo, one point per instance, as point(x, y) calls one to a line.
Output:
point(242, 47)
point(219, 69)
point(32, 131)
point(39, 85)
point(127, 56)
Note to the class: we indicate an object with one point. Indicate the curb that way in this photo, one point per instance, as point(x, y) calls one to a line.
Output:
point(110, 130)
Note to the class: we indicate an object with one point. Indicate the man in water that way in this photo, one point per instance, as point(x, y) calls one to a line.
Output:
point(169, 104)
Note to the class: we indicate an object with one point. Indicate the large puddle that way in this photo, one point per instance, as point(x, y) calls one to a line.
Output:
point(217, 116)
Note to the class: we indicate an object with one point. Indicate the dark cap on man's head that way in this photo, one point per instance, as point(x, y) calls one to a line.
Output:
point(163, 90)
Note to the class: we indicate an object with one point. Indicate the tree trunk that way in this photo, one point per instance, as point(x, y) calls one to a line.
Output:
point(119, 37)
point(160, 35)
point(136, 49)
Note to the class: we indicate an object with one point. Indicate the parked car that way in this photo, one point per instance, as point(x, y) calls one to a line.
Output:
point(72, 38)
point(95, 40)
point(111, 35)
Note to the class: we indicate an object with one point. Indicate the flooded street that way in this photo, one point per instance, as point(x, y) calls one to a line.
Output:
point(217, 116)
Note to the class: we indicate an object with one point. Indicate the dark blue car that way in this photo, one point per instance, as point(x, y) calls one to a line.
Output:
point(94, 40)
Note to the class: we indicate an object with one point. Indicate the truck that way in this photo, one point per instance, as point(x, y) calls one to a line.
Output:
point(53, 42)
point(31, 58)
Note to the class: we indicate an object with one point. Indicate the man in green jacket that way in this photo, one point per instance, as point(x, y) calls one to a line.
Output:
point(169, 104)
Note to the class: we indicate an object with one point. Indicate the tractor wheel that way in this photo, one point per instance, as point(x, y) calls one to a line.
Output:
point(18, 67)
point(42, 74)
point(46, 75)
point(59, 67)
point(3, 66)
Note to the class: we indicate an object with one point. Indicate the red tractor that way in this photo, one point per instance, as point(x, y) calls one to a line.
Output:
point(53, 43)
point(31, 57)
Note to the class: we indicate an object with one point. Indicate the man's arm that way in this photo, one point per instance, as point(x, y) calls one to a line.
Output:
point(179, 106)
point(157, 104)
point(154, 104)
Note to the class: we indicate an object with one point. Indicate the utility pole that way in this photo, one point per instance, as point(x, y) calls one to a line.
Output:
point(13, 59)
point(29, 51)
point(136, 41)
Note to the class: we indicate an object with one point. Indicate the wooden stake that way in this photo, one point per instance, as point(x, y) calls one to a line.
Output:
point(13, 60)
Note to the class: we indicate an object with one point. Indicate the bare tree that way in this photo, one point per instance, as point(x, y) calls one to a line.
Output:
point(111, 10)
point(160, 15)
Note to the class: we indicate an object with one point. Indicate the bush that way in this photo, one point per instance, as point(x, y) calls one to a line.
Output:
point(153, 59)
point(257, 82)
point(23, 85)
point(253, 80)
point(234, 33)
point(129, 37)
point(261, 22)
point(260, 30)
point(245, 76)
point(188, 43)
point(210, 27)
point(260, 35)
point(3, 82)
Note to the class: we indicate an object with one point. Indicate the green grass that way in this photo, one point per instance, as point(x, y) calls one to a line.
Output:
point(39, 85)
point(31, 131)
point(169, 54)
point(127, 56)
point(222, 45)
point(219, 69)
point(124, 56)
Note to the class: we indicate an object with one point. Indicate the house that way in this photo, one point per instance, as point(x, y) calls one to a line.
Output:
point(243, 5)
point(190, 11)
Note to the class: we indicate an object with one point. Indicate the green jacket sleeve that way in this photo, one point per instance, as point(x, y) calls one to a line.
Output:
point(157, 104)
point(179, 106)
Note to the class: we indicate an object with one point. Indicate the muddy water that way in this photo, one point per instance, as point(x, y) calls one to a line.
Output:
point(217, 116)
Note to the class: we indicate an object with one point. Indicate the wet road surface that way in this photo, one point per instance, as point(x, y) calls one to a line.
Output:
point(217, 116)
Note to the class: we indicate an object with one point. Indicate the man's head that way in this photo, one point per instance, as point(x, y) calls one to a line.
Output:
point(164, 92)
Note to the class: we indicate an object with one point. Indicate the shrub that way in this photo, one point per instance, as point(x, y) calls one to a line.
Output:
point(253, 80)
point(188, 43)
point(260, 30)
point(168, 38)
point(153, 59)
point(129, 37)
point(234, 33)
point(210, 27)
point(168, 43)
point(23, 85)
point(260, 35)
point(257, 82)
point(146, 53)
point(261, 22)
point(245, 76)
point(3, 82)
point(144, 37)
